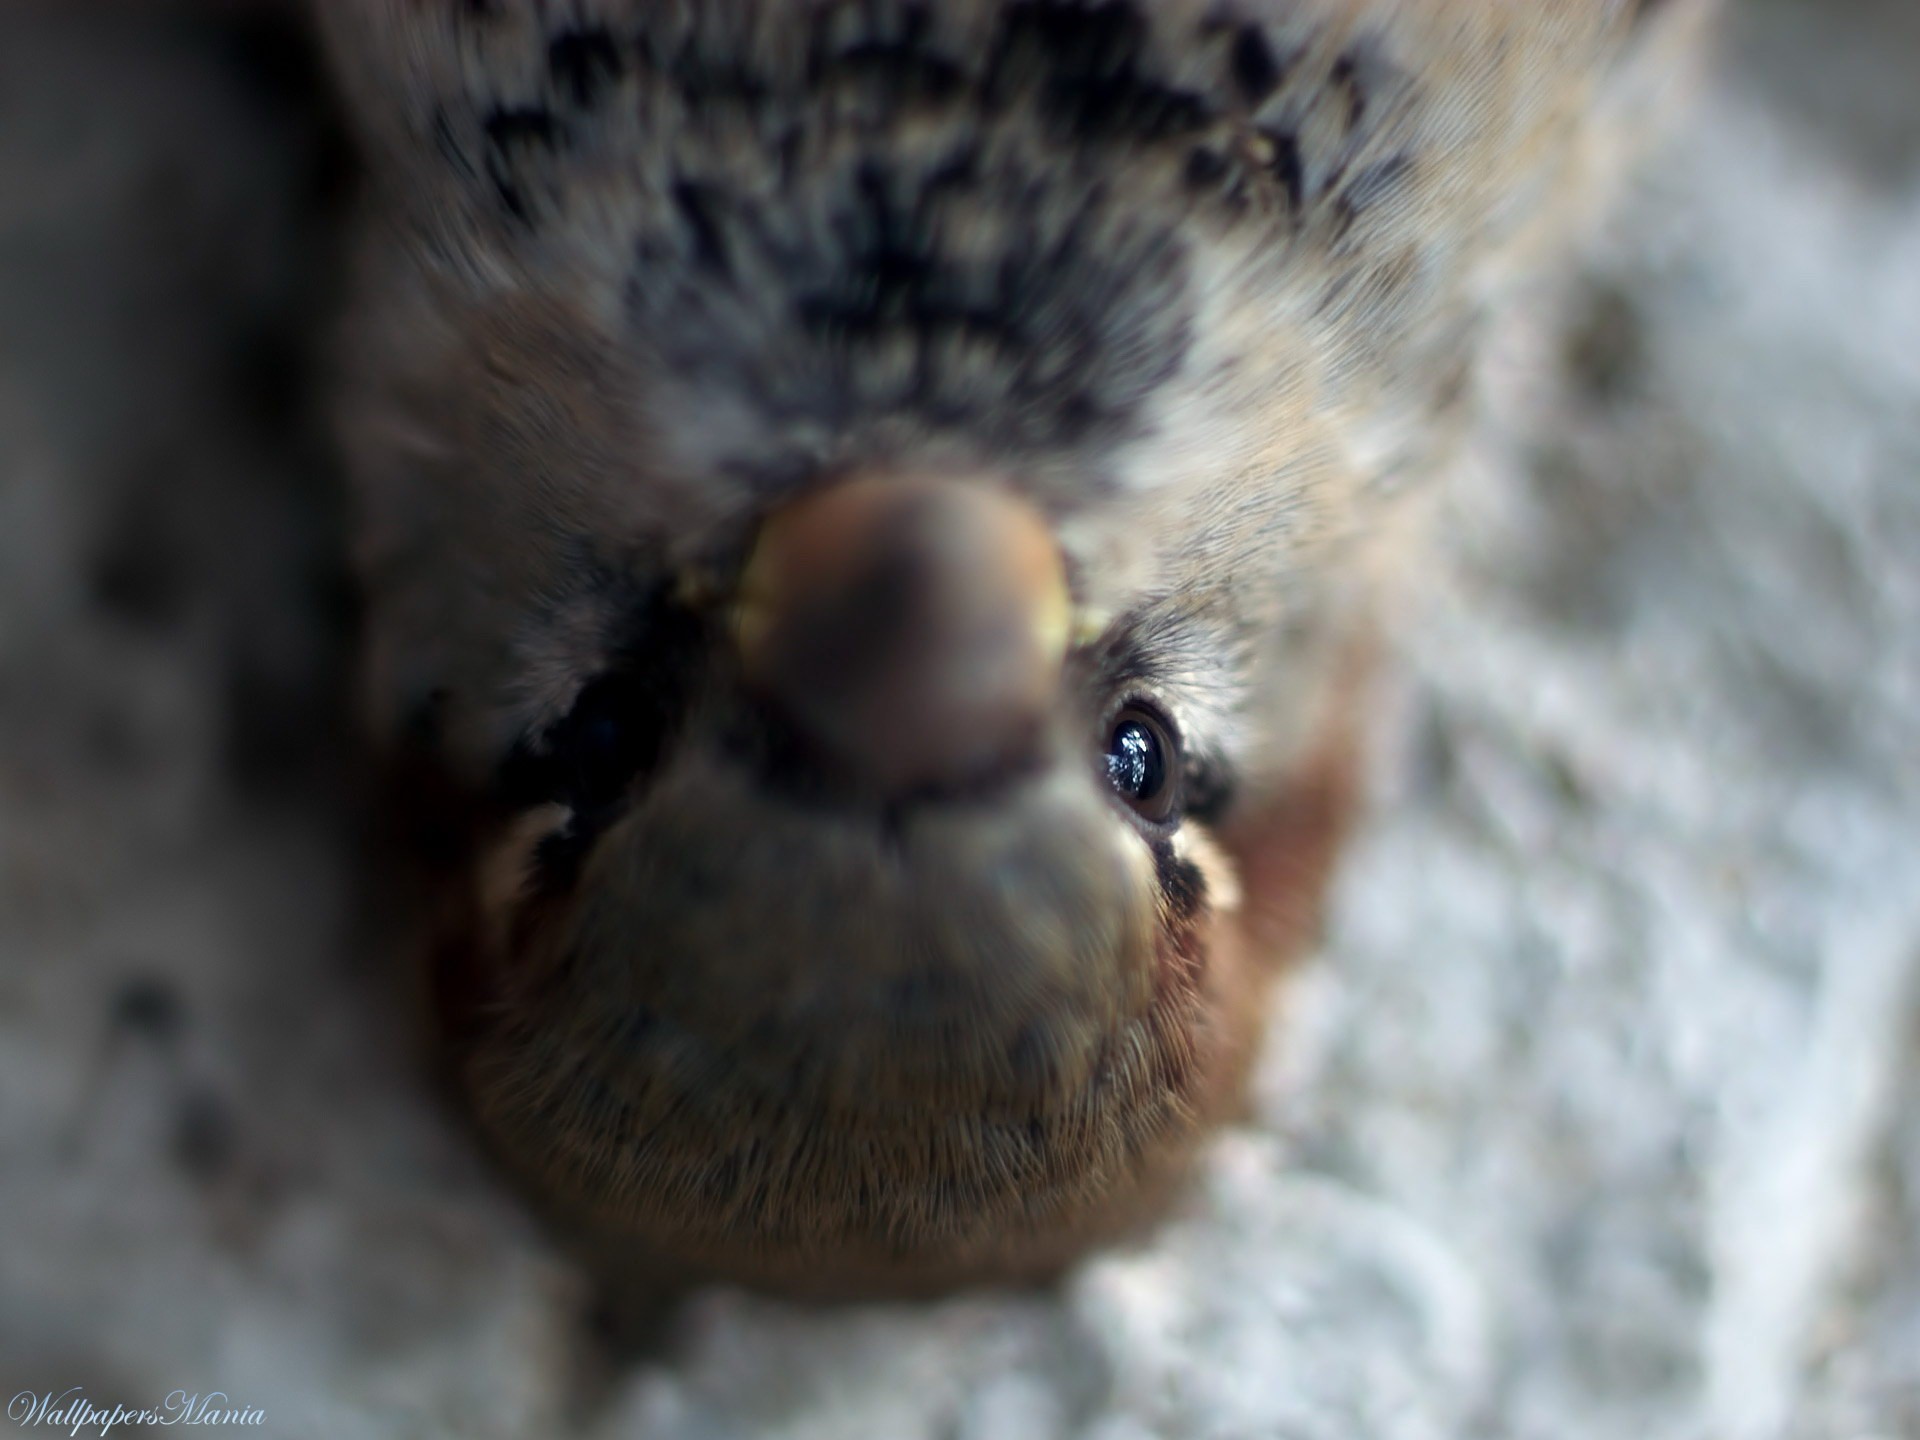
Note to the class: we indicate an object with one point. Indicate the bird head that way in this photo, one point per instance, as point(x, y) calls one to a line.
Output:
point(870, 499)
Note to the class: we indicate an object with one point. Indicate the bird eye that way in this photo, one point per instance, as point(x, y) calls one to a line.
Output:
point(1142, 763)
point(586, 760)
point(597, 749)
point(618, 730)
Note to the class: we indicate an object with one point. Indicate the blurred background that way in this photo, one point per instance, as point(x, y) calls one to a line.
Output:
point(1598, 1115)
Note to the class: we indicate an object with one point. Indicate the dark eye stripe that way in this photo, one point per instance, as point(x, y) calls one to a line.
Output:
point(614, 734)
point(1208, 790)
point(557, 859)
point(594, 759)
point(1181, 883)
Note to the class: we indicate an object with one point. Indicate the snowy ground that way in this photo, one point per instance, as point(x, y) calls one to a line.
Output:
point(1599, 1116)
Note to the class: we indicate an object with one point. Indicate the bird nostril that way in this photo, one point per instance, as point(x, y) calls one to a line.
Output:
point(913, 627)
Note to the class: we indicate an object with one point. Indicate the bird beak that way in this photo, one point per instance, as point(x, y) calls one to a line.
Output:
point(914, 628)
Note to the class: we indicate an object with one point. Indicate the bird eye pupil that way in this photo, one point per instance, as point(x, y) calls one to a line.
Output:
point(598, 759)
point(588, 759)
point(1133, 760)
point(1139, 764)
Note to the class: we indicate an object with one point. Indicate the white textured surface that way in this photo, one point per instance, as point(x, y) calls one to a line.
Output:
point(1600, 1116)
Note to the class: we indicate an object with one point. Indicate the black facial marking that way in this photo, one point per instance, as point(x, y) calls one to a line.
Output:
point(697, 205)
point(706, 70)
point(584, 63)
point(510, 134)
point(1088, 63)
point(904, 67)
point(1181, 884)
point(512, 200)
point(1346, 74)
point(595, 757)
point(1205, 168)
point(814, 276)
point(447, 144)
point(888, 265)
point(1208, 790)
point(1284, 165)
point(558, 858)
point(1055, 335)
point(528, 125)
point(1255, 70)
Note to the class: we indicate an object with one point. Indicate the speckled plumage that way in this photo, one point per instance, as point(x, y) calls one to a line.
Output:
point(1197, 281)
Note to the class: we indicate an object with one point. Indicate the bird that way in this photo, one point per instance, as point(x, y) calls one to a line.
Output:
point(878, 513)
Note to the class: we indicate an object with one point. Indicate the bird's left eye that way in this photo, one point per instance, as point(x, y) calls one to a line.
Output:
point(587, 760)
point(618, 730)
point(599, 747)
point(1142, 763)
